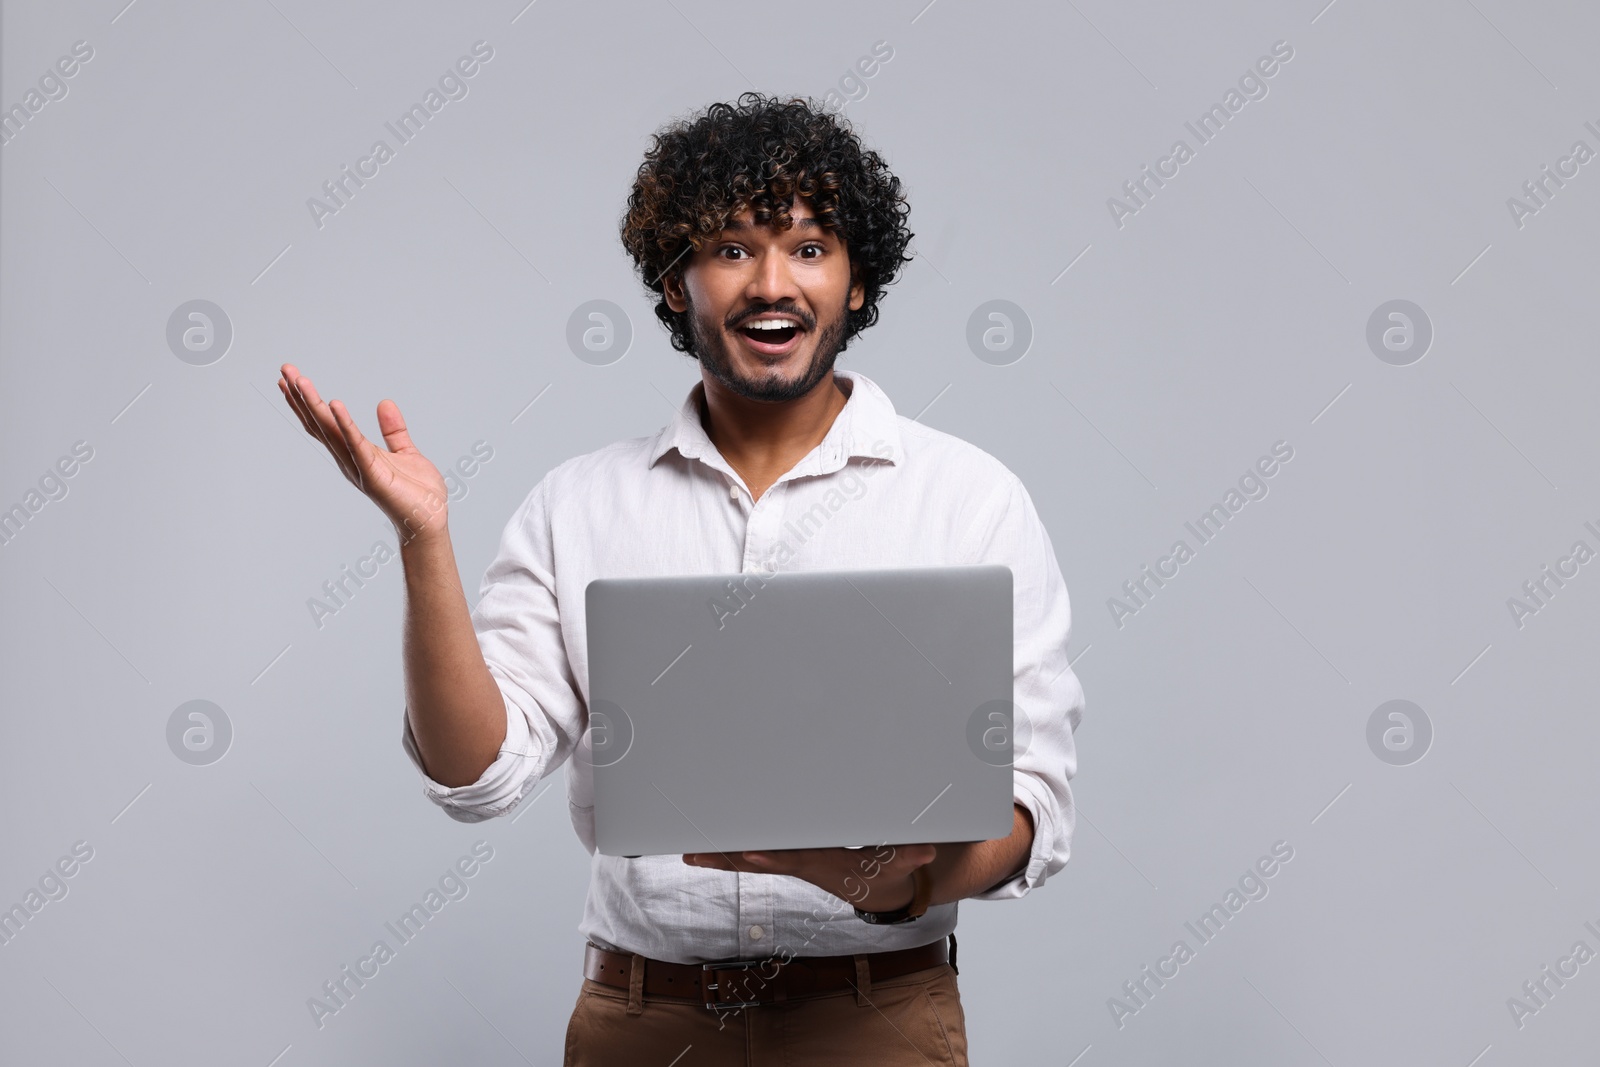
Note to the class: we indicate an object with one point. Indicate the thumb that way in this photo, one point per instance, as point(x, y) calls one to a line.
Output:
point(393, 427)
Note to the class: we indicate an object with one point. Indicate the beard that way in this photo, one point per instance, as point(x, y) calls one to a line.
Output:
point(709, 345)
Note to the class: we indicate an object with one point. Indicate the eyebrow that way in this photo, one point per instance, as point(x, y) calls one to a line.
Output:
point(737, 225)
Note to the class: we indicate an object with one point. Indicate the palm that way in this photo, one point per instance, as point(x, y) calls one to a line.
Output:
point(399, 479)
point(402, 478)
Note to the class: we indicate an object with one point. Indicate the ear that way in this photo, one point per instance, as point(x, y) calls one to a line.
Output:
point(672, 290)
point(858, 289)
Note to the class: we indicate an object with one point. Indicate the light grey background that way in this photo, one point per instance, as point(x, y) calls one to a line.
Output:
point(1228, 314)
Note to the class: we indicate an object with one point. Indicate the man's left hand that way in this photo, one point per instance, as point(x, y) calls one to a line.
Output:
point(872, 879)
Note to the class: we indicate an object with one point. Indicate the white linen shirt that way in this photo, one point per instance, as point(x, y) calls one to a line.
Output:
point(879, 490)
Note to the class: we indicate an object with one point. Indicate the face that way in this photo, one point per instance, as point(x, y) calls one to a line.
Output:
point(767, 308)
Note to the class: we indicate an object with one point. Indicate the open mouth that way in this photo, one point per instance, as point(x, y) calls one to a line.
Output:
point(770, 336)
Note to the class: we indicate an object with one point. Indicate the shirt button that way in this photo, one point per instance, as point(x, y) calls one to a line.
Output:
point(733, 492)
point(756, 933)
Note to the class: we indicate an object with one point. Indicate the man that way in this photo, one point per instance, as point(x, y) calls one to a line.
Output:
point(768, 235)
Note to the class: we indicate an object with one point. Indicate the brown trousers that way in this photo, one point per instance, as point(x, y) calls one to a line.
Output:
point(914, 1020)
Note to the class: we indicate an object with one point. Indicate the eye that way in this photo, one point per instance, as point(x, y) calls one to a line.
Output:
point(813, 247)
point(729, 248)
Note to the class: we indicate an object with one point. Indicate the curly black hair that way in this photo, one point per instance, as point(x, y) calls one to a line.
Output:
point(760, 153)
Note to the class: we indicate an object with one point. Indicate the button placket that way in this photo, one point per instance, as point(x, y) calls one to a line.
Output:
point(756, 909)
point(766, 926)
point(740, 919)
point(756, 903)
point(760, 539)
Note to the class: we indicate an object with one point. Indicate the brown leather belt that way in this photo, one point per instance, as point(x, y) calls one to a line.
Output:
point(743, 983)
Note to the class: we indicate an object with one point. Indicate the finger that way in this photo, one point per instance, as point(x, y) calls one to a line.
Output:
point(304, 408)
point(308, 419)
point(292, 381)
point(294, 406)
point(361, 450)
point(798, 862)
point(796, 857)
point(286, 378)
point(326, 427)
point(300, 412)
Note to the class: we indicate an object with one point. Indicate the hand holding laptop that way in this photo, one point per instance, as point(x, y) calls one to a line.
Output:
point(870, 879)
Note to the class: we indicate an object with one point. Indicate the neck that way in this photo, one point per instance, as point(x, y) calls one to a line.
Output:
point(763, 440)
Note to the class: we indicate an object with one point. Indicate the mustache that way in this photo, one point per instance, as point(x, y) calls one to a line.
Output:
point(808, 322)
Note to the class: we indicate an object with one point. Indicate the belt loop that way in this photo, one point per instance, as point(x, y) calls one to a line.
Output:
point(863, 980)
point(636, 985)
point(953, 966)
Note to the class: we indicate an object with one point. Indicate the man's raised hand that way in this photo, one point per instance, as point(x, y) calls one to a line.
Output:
point(408, 488)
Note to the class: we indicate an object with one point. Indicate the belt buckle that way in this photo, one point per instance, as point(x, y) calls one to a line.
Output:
point(707, 970)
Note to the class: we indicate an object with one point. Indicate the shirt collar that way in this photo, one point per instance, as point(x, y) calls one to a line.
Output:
point(866, 426)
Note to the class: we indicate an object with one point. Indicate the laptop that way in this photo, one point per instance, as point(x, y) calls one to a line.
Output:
point(733, 712)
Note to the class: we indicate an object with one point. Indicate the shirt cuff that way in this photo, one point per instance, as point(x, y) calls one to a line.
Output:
point(498, 789)
point(1036, 799)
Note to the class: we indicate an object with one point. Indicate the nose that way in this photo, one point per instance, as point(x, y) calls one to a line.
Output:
point(772, 282)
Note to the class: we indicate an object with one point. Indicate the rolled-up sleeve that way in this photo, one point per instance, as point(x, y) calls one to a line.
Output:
point(1047, 694)
point(519, 632)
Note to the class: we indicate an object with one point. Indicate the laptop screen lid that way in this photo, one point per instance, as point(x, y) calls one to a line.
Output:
point(734, 712)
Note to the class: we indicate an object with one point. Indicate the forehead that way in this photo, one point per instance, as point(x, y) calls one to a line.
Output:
point(805, 221)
